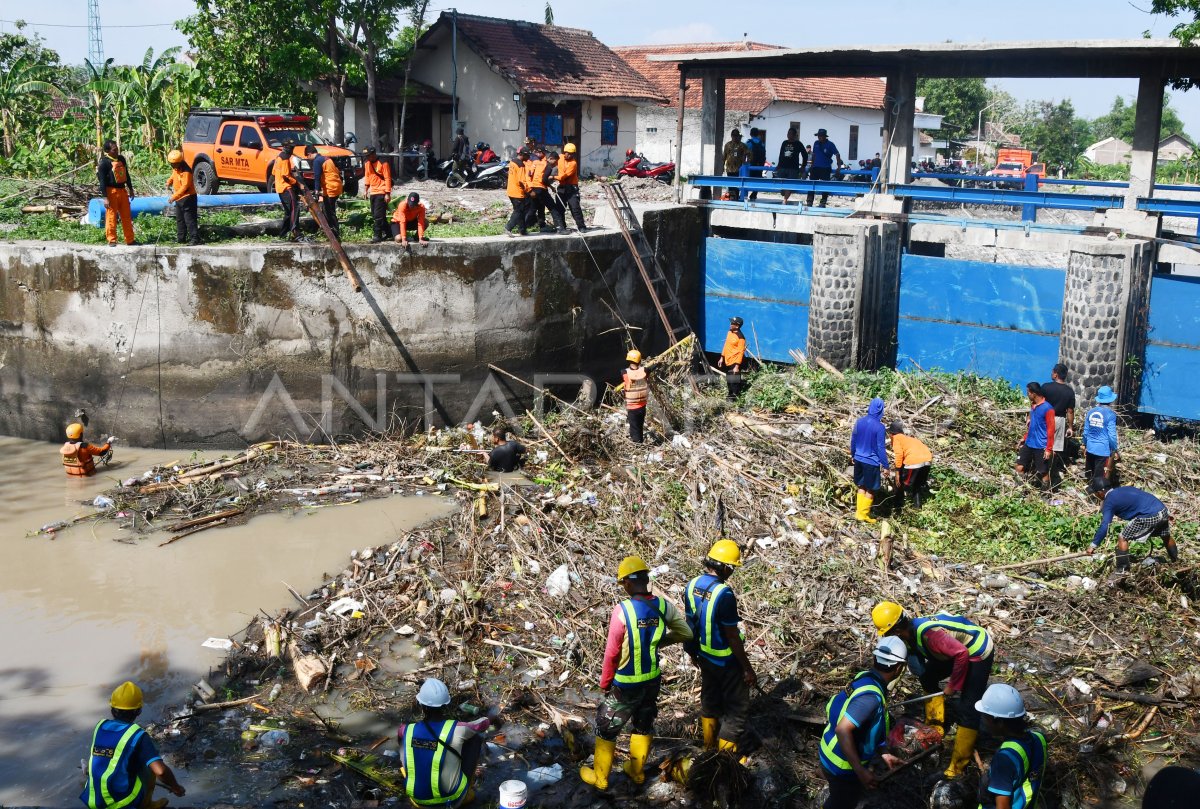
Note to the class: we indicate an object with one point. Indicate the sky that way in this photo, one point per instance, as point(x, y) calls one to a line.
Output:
point(790, 23)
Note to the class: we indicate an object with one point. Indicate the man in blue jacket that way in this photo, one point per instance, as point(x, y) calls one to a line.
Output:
point(1100, 436)
point(1147, 517)
point(868, 445)
point(1037, 447)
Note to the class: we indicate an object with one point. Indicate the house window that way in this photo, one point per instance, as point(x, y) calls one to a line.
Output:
point(852, 147)
point(545, 128)
point(652, 130)
point(609, 126)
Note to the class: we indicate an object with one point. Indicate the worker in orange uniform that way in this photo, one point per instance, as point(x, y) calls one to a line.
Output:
point(78, 456)
point(913, 460)
point(568, 184)
point(287, 186)
point(539, 197)
point(409, 214)
point(183, 197)
point(518, 193)
point(327, 183)
point(117, 189)
point(377, 176)
point(550, 198)
point(732, 356)
point(637, 394)
point(631, 678)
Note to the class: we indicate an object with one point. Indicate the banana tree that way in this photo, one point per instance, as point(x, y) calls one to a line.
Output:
point(100, 81)
point(26, 77)
point(148, 80)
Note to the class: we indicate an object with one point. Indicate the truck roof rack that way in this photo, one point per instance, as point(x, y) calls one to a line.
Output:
point(239, 112)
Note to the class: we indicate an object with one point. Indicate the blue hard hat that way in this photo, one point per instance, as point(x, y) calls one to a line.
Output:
point(1105, 395)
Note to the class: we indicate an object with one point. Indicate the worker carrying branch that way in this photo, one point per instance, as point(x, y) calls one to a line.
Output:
point(78, 456)
point(945, 646)
point(717, 649)
point(123, 765)
point(857, 724)
point(640, 626)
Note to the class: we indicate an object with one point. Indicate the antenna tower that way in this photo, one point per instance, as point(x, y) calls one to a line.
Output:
point(95, 36)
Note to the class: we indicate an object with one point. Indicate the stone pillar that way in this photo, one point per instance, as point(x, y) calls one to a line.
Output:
point(1105, 305)
point(712, 124)
point(854, 304)
point(1147, 122)
point(899, 115)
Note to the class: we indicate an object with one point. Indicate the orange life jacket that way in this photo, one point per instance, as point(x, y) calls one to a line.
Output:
point(119, 172)
point(78, 458)
point(637, 389)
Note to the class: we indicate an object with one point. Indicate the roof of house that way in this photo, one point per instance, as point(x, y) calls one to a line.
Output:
point(751, 95)
point(1109, 141)
point(1176, 136)
point(391, 89)
point(550, 61)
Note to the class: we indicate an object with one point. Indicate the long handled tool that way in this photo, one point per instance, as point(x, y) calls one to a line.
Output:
point(916, 700)
point(334, 243)
point(926, 753)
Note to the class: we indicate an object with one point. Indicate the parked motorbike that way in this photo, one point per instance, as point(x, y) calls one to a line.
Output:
point(638, 166)
point(488, 175)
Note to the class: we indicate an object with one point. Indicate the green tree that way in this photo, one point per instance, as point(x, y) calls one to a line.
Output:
point(250, 52)
point(1055, 132)
point(1119, 121)
point(957, 100)
point(25, 79)
point(367, 27)
point(100, 83)
point(1186, 31)
point(148, 81)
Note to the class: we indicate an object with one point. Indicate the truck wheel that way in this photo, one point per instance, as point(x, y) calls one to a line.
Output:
point(205, 177)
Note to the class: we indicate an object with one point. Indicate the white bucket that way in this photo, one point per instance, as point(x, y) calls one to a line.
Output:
point(513, 794)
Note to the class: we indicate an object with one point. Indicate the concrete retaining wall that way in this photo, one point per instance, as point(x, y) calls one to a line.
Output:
point(236, 343)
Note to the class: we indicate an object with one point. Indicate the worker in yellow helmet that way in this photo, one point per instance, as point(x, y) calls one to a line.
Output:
point(183, 197)
point(78, 456)
point(950, 647)
point(123, 764)
point(640, 626)
point(726, 675)
point(637, 394)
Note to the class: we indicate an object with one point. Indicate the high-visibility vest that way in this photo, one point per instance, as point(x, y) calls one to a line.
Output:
point(969, 634)
point(425, 745)
point(645, 624)
point(637, 389)
point(108, 784)
point(703, 593)
point(77, 460)
point(1031, 754)
point(832, 757)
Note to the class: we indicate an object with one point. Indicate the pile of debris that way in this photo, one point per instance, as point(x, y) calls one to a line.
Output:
point(508, 600)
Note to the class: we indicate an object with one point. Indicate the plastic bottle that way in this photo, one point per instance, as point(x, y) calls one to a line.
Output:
point(275, 692)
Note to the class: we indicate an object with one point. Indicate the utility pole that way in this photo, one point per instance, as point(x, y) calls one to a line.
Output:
point(454, 63)
point(95, 35)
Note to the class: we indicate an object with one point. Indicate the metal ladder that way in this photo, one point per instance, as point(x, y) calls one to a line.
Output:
point(670, 311)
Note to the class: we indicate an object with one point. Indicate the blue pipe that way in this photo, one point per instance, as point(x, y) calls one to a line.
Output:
point(155, 205)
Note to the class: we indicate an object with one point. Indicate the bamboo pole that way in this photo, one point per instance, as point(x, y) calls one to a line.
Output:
point(335, 243)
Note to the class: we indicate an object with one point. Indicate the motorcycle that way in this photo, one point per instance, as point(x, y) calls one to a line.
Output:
point(488, 175)
point(639, 166)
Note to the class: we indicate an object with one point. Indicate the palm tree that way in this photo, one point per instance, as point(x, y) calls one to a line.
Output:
point(100, 82)
point(148, 80)
point(26, 77)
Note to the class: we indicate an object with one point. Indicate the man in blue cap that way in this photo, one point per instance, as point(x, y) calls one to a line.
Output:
point(1100, 436)
point(823, 154)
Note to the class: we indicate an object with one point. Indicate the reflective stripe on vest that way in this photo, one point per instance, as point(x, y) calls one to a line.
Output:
point(637, 389)
point(972, 635)
point(1026, 794)
point(116, 761)
point(702, 603)
point(831, 749)
point(645, 623)
point(423, 763)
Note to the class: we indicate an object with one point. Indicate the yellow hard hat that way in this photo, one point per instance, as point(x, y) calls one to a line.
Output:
point(127, 697)
point(174, 156)
point(885, 615)
point(634, 356)
point(569, 148)
point(726, 551)
point(630, 565)
point(75, 431)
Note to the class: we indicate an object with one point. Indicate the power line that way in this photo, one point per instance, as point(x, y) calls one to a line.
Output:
point(64, 25)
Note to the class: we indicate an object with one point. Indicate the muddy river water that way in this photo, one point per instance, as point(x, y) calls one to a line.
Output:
point(83, 612)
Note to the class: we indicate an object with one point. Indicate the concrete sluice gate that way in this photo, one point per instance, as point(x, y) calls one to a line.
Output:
point(225, 344)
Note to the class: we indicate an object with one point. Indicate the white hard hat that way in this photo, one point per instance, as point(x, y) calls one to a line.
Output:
point(891, 651)
point(1002, 701)
point(433, 693)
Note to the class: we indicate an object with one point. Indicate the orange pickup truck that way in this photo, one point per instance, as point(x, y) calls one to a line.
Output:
point(239, 146)
point(1015, 164)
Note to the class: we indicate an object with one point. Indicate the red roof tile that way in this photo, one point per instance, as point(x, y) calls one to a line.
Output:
point(750, 95)
point(551, 60)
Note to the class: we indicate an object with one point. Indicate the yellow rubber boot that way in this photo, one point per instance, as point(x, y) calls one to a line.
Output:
point(863, 511)
point(964, 746)
point(639, 751)
point(935, 711)
point(708, 727)
point(731, 747)
point(597, 774)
